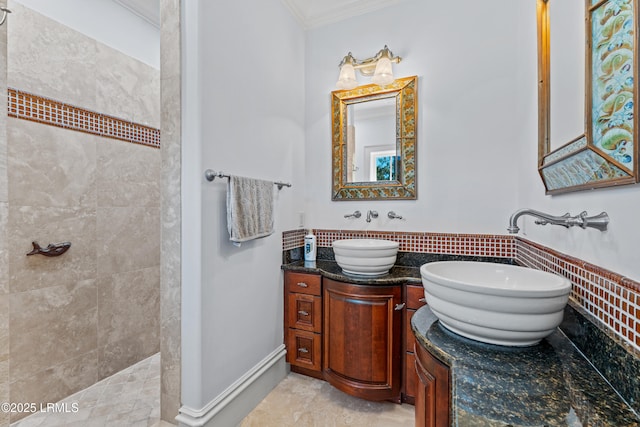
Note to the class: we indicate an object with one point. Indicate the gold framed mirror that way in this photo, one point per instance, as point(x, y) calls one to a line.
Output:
point(603, 151)
point(373, 132)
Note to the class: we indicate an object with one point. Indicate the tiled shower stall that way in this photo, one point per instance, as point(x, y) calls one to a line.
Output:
point(80, 163)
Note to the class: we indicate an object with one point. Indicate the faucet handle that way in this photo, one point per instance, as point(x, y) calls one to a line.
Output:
point(356, 214)
point(393, 215)
point(599, 222)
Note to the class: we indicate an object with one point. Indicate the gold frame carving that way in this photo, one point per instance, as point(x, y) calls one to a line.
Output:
point(405, 91)
point(585, 163)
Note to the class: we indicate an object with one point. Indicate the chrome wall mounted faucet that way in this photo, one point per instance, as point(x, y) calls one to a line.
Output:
point(393, 215)
point(371, 214)
point(356, 214)
point(598, 222)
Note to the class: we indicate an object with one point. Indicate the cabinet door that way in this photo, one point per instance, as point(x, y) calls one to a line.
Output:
point(432, 398)
point(363, 339)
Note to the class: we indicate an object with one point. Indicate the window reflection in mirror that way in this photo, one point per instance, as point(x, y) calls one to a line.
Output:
point(371, 140)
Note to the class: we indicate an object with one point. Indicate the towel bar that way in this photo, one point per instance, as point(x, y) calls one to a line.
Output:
point(210, 175)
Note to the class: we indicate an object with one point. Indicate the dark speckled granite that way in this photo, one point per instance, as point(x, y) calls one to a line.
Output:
point(416, 259)
point(613, 360)
point(397, 275)
point(550, 384)
point(406, 269)
point(404, 259)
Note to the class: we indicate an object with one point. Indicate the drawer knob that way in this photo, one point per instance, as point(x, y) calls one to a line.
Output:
point(303, 285)
point(303, 313)
point(303, 350)
point(399, 307)
point(424, 300)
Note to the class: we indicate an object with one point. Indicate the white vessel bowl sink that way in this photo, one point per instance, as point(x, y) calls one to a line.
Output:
point(495, 303)
point(365, 257)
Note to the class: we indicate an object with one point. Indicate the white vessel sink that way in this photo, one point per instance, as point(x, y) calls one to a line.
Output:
point(365, 257)
point(495, 303)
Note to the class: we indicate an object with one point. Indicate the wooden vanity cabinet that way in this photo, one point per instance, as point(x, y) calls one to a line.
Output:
point(414, 297)
point(303, 322)
point(432, 398)
point(363, 339)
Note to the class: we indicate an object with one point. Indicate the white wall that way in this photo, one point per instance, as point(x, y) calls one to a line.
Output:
point(617, 248)
point(107, 22)
point(463, 55)
point(244, 114)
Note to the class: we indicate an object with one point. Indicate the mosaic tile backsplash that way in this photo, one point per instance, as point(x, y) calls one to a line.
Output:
point(440, 243)
point(609, 297)
point(613, 301)
point(27, 106)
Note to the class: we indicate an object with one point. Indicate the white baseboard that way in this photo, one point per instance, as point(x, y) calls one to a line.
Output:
point(232, 405)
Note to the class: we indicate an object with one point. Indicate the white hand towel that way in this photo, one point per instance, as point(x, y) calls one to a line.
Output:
point(249, 209)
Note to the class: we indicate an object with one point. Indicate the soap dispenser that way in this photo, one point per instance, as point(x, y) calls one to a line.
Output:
point(310, 249)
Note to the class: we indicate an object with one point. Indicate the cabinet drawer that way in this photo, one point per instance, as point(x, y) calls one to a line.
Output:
point(304, 349)
point(305, 312)
point(415, 296)
point(303, 283)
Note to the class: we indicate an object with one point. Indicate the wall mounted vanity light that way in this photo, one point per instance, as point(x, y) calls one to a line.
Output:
point(378, 66)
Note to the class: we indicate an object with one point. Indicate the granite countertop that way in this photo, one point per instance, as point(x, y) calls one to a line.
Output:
point(330, 269)
point(550, 384)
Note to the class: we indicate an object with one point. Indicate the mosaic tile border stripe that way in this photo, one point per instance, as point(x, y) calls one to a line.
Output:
point(438, 243)
point(613, 300)
point(27, 106)
point(293, 239)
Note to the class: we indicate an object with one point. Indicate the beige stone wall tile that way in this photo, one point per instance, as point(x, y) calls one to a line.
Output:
point(170, 299)
point(4, 390)
point(4, 356)
point(53, 61)
point(128, 174)
point(51, 225)
point(50, 166)
point(170, 363)
point(128, 304)
point(4, 185)
point(4, 332)
point(51, 326)
point(4, 255)
point(126, 87)
point(116, 356)
point(55, 383)
point(128, 239)
point(3, 116)
point(4, 248)
point(170, 38)
point(169, 408)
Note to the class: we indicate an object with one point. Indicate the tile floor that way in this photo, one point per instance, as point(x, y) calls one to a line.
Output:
point(130, 398)
point(307, 402)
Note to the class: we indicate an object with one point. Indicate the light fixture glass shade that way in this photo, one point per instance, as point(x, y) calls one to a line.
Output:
point(384, 72)
point(347, 79)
